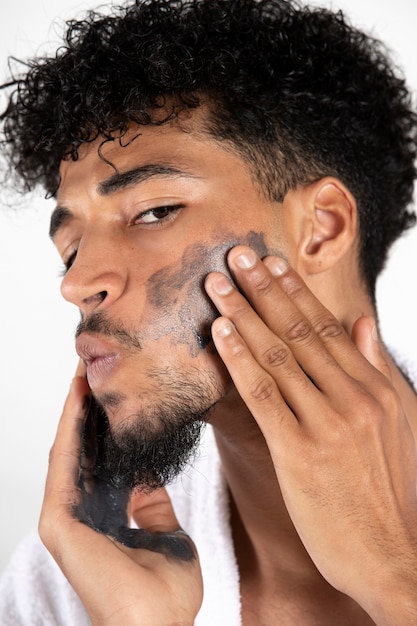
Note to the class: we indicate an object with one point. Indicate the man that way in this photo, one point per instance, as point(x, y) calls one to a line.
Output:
point(253, 160)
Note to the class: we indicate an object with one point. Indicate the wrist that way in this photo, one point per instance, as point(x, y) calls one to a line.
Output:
point(390, 597)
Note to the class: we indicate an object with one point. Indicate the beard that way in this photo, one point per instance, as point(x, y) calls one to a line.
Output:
point(153, 446)
point(142, 457)
point(144, 453)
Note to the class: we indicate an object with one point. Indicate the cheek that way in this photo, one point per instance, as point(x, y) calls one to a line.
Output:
point(177, 301)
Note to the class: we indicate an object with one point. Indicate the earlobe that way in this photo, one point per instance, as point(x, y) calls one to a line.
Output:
point(331, 231)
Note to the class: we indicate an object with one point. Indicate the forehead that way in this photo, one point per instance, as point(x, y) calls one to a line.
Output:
point(105, 156)
point(160, 149)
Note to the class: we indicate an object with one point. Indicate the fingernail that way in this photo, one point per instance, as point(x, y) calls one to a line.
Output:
point(222, 286)
point(246, 260)
point(375, 334)
point(277, 266)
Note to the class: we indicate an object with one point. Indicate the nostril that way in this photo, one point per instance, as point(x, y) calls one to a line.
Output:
point(96, 299)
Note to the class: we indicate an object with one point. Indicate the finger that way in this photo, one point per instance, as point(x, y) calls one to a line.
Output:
point(325, 325)
point(256, 386)
point(64, 462)
point(281, 350)
point(301, 333)
point(316, 338)
point(62, 497)
point(153, 511)
point(365, 337)
point(257, 350)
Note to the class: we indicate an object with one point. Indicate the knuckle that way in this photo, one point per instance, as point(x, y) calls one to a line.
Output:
point(263, 283)
point(240, 312)
point(382, 400)
point(299, 331)
point(388, 399)
point(368, 413)
point(276, 356)
point(262, 389)
point(237, 350)
point(328, 327)
point(293, 287)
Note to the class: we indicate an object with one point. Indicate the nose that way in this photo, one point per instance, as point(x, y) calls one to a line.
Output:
point(98, 276)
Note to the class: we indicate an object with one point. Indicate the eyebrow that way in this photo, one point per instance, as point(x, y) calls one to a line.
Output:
point(116, 182)
point(121, 180)
point(59, 216)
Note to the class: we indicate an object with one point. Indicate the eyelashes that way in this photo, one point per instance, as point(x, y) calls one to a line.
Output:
point(68, 264)
point(157, 215)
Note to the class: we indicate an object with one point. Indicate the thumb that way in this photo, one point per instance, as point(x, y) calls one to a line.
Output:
point(366, 338)
point(159, 530)
point(153, 511)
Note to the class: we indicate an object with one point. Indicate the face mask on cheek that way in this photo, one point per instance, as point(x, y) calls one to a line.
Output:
point(176, 294)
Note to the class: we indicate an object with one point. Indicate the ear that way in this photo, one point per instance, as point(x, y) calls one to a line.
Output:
point(328, 229)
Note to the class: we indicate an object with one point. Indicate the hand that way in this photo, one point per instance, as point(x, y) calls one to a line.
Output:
point(156, 583)
point(341, 445)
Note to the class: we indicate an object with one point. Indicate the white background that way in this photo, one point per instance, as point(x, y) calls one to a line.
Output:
point(37, 355)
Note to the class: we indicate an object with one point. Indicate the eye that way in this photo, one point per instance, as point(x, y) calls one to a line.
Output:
point(67, 264)
point(161, 214)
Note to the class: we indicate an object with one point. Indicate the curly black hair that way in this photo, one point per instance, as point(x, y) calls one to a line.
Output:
point(297, 91)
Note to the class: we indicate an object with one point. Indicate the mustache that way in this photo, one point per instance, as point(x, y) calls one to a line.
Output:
point(99, 323)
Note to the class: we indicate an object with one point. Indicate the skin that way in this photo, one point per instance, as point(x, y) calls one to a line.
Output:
point(324, 518)
point(147, 281)
point(194, 311)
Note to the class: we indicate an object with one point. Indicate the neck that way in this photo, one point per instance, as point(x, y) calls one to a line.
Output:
point(260, 521)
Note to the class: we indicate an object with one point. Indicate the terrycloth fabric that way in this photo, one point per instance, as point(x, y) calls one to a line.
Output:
point(34, 592)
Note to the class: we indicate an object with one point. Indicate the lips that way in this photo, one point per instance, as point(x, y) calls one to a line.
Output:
point(100, 358)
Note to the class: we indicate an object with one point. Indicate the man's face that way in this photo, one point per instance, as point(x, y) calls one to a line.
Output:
point(140, 225)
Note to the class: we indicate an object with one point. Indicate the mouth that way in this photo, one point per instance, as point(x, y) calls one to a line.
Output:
point(100, 358)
